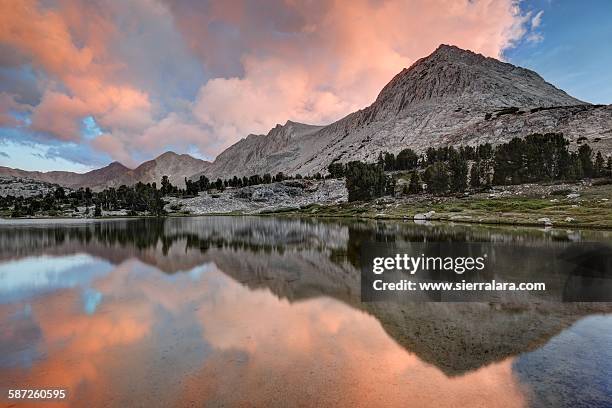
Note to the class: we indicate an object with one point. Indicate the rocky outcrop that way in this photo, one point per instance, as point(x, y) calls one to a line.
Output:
point(260, 154)
point(263, 197)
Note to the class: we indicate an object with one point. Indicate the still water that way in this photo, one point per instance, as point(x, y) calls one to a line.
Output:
point(247, 311)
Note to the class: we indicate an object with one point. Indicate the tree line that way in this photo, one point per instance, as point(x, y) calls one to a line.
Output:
point(138, 199)
point(438, 171)
point(193, 187)
point(443, 170)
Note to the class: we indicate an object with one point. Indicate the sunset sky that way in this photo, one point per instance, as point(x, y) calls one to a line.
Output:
point(84, 83)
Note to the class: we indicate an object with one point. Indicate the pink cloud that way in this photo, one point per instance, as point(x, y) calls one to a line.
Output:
point(334, 57)
point(177, 132)
point(114, 147)
point(271, 92)
point(58, 114)
point(80, 80)
point(306, 61)
point(8, 106)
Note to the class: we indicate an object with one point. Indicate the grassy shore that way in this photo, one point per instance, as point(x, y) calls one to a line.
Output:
point(566, 205)
point(522, 205)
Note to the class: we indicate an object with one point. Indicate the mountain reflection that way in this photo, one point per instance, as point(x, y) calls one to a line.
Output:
point(258, 305)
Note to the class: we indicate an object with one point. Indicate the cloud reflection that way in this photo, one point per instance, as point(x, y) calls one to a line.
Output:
point(29, 276)
point(159, 340)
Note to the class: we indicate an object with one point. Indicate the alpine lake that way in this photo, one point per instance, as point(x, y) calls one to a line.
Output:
point(267, 311)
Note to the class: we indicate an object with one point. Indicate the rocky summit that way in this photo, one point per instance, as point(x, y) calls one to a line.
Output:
point(453, 96)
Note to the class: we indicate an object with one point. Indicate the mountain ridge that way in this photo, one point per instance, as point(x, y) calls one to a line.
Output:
point(175, 166)
point(450, 97)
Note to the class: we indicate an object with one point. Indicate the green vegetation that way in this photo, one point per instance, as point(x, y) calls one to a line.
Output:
point(448, 180)
point(415, 186)
point(365, 181)
point(192, 188)
point(436, 177)
point(139, 199)
point(590, 210)
point(445, 170)
point(439, 180)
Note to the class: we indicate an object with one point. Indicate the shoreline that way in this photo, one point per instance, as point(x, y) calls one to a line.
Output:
point(289, 214)
point(438, 220)
point(558, 206)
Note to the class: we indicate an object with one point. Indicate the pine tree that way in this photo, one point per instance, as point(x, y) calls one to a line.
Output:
point(59, 193)
point(390, 186)
point(166, 186)
point(564, 164)
point(389, 161)
point(88, 196)
point(203, 183)
point(544, 156)
point(407, 159)
point(365, 181)
point(415, 186)
point(431, 154)
point(191, 187)
point(598, 166)
point(467, 153)
point(576, 171)
point(458, 171)
point(436, 177)
point(336, 170)
point(484, 151)
point(585, 154)
point(475, 175)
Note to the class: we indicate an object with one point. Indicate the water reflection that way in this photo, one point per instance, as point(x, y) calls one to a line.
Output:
point(262, 311)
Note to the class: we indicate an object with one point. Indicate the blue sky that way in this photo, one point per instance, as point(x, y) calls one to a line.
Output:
point(87, 82)
point(574, 51)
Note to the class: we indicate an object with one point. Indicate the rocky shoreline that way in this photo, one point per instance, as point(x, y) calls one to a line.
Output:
point(568, 205)
point(284, 195)
point(583, 204)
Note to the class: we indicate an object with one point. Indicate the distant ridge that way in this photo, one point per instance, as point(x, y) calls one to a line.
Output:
point(175, 166)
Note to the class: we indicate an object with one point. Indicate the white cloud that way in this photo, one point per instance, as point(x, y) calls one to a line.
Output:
point(537, 19)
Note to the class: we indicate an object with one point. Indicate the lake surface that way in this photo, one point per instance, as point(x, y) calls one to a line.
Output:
point(248, 311)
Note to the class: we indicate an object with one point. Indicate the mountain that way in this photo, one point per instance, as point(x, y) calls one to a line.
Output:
point(453, 96)
point(175, 166)
point(100, 178)
point(257, 154)
point(95, 178)
point(450, 97)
